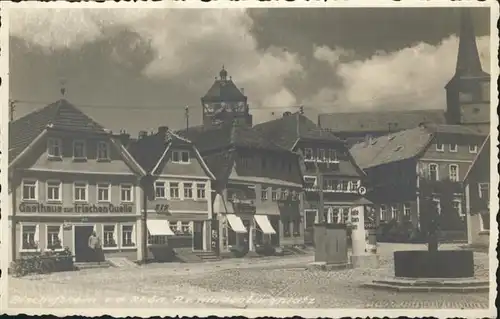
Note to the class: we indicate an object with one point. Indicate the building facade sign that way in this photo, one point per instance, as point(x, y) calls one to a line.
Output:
point(76, 208)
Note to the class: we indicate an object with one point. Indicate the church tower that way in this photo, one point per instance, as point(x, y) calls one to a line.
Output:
point(225, 103)
point(468, 92)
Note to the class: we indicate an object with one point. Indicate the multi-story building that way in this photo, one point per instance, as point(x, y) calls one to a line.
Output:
point(477, 197)
point(69, 177)
point(467, 100)
point(399, 164)
point(179, 208)
point(259, 182)
point(323, 156)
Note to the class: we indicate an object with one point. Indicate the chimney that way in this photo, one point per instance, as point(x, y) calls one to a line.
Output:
point(162, 131)
point(143, 134)
point(124, 138)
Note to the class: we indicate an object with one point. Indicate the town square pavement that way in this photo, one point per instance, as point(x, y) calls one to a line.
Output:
point(278, 282)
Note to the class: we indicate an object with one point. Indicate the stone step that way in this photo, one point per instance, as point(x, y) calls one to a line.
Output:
point(92, 265)
point(434, 282)
point(427, 288)
point(121, 262)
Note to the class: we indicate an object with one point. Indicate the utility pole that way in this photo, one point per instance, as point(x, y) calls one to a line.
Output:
point(187, 117)
point(12, 108)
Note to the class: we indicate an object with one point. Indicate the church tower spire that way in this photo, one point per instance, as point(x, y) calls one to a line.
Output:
point(468, 62)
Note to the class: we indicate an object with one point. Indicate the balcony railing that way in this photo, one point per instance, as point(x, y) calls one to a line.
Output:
point(318, 160)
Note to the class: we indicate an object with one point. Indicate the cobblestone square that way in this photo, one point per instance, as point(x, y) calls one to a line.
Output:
point(261, 283)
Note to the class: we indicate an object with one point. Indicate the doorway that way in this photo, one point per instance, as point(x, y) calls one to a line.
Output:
point(83, 253)
point(198, 235)
point(311, 219)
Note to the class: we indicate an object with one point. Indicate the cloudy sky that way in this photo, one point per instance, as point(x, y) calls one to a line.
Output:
point(138, 69)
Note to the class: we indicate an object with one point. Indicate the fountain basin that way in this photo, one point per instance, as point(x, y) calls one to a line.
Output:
point(439, 264)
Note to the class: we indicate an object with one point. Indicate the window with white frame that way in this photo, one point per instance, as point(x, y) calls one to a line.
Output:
point(30, 190)
point(103, 192)
point(180, 157)
point(453, 147)
point(264, 193)
point(333, 156)
point(54, 147)
point(457, 206)
point(109, 236)
point(310, 182)
point(201, 191)
point(128, 239)
point(54, 237)
point(407, 209)
point(29, 237)
point(484, 191)
point(174, 190)
point(80, 191)
point(454, 173)
point(433, 172)
point(126, 193)
point(384, 213)
point(54, 191)
point(308, 154)
point(472, 148)
point(394, 211)
point(79, 149)
point(160, 191)
point(188, 190)
point(103, 150)
point(274, 195)
point(439, 146)
point(322, 155)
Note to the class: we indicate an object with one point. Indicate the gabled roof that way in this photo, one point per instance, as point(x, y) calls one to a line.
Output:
point(59, 115)
point(484, 150)
point(287, 130)
point(391, 148)
point(150, 151)
point(379, 121)
point(228, 135)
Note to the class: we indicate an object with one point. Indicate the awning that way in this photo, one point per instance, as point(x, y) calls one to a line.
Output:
point(159, 227)
point(221, 206)
point(236, 223)
point(264, 224)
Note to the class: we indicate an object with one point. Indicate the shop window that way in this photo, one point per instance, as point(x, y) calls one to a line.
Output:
point(157, 240)
point(174, 190)
point(103, 192)
point(128, 235)
point(54, 191)
point(109, 236)
point(80, 191)
point(103, 151)
point(54, 237)
point(188, 190)
point(201, 191)
point(54, 147)
point(160, 190)
point(79, 149)
point(126, 193)
point(30, 190)
point(29, 237)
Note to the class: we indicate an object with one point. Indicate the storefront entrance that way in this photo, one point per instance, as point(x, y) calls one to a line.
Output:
point(83, 253)
point(197, 235)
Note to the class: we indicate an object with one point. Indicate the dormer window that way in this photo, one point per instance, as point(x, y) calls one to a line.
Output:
point(453, 147)
point(103, 151)
point(439, 147)
point(79, 150)
point(180, 157)
point(54, 147)
point(473, 148)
